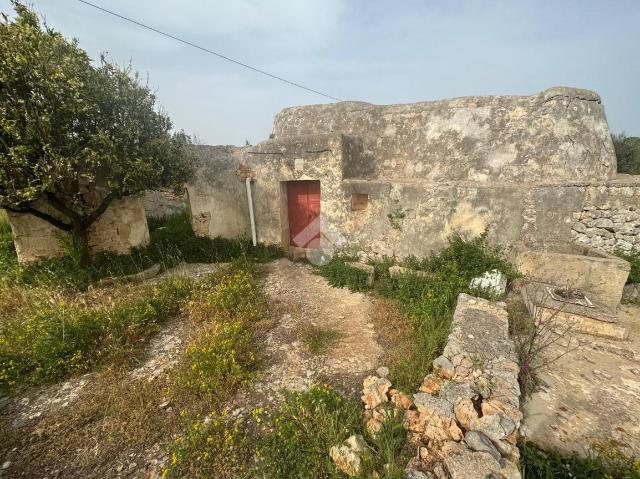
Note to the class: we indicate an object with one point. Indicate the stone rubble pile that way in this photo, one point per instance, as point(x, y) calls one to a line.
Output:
point(608, 229)
point(464, 421)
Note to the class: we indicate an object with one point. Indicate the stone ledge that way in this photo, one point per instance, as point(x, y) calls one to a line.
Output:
point(464, 423)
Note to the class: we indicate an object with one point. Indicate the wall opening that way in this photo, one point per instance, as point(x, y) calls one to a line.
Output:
point(359, 201)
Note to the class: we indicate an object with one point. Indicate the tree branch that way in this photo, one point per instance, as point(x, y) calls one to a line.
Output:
point(88, 221)
point(62, 208)
point(43, 216)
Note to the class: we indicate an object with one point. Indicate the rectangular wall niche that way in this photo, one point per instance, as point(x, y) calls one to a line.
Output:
point(359, 201)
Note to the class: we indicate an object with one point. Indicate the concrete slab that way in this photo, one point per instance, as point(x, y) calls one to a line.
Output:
point(599, 320)
point(591, 393)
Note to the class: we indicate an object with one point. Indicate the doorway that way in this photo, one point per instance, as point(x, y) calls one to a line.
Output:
point(303, 207)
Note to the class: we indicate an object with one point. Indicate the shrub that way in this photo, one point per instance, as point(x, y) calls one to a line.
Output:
point(634, 260)
point(214, 447)
point(605, 462)
point(53, 341)
point(221, 356)
point(319, 339)
point(341, 275)
point(218, 361)
point(172, 241)
point(302, 430)
point(429, 301)
point(627, 153)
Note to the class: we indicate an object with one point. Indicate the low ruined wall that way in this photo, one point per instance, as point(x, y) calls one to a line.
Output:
point(464, 422)
point(475, 389)
point(217, 196)
point(121, 227)
point(161, 204)
point(561, 133)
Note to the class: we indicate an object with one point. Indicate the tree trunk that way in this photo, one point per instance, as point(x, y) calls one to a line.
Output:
point(81, 242)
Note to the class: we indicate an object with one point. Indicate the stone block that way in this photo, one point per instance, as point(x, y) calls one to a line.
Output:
point(367, 268)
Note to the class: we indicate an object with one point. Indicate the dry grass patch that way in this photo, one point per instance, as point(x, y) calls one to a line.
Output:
point(113, 419)
point(319, 339)
point(396, 337)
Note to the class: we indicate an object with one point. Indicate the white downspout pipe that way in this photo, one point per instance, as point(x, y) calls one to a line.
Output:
point(251, 217)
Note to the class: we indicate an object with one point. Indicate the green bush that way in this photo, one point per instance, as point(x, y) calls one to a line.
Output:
point(221, 356)
point(429, 301)
point(216, 447)
point(301, 432)
point(56, 340)
point(172, 241)
point(606, 462)
point(341, 275)
point(627, 153)
point(634, 260)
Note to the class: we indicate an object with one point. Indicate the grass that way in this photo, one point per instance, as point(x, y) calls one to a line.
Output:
point(119, 417)
point(605, 462)
point(341, 275)
point(301, 431)
point(220, 358)
point(633, 259)
point(172, 241)
point(116, 413)
point(319, 339)
point(53, 340)
point(427, 303)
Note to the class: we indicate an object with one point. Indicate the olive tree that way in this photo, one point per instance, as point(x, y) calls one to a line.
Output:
point(75, 136)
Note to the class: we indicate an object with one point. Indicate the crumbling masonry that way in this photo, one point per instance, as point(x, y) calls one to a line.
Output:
point(533, 171)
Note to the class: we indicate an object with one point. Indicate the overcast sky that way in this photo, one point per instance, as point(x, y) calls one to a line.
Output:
point(376, 51)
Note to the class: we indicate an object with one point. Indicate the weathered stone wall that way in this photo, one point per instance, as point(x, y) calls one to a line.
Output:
point(610, 217)
point(161, 204)
point(301, 158)
point(217, 195)
point(420, 175)
point(560, 133)
point(121, 227)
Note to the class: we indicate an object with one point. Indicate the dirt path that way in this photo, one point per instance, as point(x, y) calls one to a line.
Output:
point(301, 298)
point(95, 401)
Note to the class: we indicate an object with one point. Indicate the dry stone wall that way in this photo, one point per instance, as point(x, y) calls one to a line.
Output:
point(610, 218)
point(464, 422)
point(121, 227)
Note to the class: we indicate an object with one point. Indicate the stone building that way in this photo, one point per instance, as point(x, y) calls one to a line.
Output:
point(531, 171)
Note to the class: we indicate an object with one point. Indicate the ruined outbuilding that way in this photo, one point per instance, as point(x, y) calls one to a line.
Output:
point(532, 171)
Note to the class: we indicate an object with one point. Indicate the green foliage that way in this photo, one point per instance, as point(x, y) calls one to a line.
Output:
point(429, 301)
point(53, 341)
point(303, 429)
point(627, 153)
point(68, 128)
point(466, 259)
point(390, 456)
point(341, 275)
point(395, 218)
point(606, 462)
point(216, 447)
point(221, 357)
point(634, 260)
point(172, 242)
point(319, 339)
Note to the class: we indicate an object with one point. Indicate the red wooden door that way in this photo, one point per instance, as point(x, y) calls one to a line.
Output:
point(303, 201)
